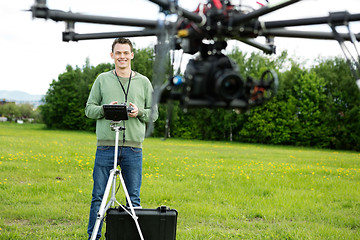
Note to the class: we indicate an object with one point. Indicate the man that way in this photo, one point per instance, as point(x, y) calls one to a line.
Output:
point(121, 85)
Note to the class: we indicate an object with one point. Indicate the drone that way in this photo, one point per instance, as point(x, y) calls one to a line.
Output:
point(212, 79)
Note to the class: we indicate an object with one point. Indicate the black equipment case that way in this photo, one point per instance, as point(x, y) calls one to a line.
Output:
point(155, 224)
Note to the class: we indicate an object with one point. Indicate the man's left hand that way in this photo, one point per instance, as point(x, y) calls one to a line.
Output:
point(134, 112)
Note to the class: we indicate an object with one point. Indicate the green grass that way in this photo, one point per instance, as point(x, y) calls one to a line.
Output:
point(221, 190)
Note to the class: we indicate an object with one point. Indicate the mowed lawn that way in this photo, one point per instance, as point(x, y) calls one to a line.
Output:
point(221, 190)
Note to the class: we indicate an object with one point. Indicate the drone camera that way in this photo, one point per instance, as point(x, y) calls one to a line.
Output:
point(215, 78)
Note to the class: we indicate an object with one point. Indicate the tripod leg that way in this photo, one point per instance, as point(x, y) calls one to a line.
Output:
point(103, 206)
point(133, 214)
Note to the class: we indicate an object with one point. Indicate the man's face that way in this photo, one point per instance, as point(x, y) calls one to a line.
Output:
point(122, 56)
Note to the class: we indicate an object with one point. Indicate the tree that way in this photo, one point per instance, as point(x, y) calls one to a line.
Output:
point(26, 110)
point(10, 110)
point(342, 113)
point(143, 62)
point(22, 111)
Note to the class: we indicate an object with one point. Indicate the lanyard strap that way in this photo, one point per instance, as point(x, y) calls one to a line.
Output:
point(126, 94)
point(122, 86)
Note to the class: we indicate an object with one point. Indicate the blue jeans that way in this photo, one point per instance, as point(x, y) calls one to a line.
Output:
point(130, 161)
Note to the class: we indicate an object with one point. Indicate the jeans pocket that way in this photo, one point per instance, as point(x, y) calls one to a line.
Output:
point(103, 148)
point(136, 150)
point(104, 156)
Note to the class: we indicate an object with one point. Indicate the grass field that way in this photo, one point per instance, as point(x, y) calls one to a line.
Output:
point(221, 190)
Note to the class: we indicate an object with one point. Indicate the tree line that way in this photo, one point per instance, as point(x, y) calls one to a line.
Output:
point(315, 106)
point(24, 111)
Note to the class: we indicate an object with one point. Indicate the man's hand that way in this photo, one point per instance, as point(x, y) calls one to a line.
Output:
point(134, 112)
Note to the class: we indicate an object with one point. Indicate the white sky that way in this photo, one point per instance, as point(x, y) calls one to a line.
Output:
point(33, 54)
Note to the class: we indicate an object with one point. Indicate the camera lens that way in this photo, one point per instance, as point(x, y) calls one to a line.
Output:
point(229, 85)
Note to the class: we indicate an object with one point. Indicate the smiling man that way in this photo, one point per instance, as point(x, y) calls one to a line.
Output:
point(121, 85)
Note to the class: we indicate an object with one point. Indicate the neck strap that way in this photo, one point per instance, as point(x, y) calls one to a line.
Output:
point(122, 86)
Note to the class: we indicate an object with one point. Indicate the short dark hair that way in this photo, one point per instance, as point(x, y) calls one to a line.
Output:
point(121, 41)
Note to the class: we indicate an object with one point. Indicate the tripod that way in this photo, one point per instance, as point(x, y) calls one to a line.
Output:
point(111, 186)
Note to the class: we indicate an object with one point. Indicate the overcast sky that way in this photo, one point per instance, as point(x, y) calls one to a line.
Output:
point(33, 54)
